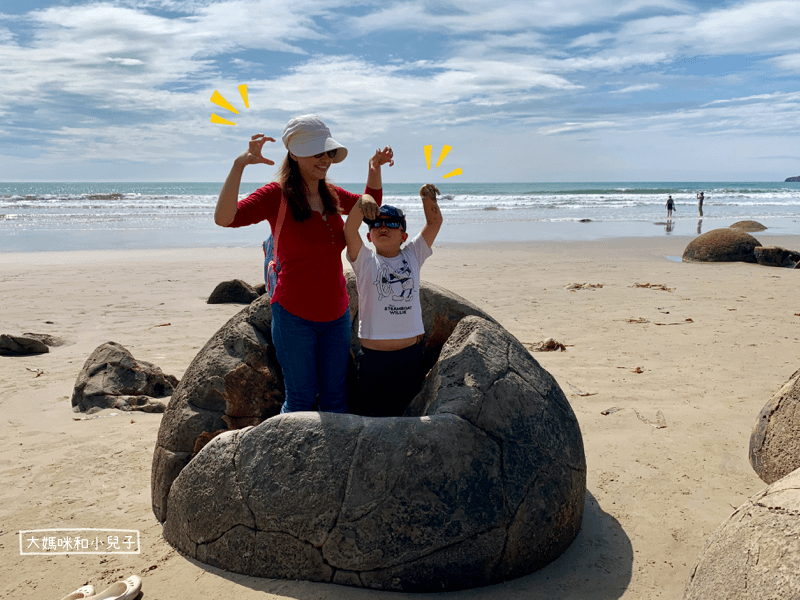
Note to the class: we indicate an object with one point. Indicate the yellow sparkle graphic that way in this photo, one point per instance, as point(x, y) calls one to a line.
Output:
point(220, 101)
point(445, 151)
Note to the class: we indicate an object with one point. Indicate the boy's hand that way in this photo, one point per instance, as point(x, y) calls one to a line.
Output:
point(381, 157)
point(369, 207)
point(433, 216)
point(429, 191)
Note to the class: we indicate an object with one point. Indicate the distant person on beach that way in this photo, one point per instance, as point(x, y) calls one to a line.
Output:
point(389, 311)
point(700, 198)
point(670, 207)
point(310, 306)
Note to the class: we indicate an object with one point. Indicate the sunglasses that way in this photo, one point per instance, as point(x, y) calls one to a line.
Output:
point(389, 224)
point(330, 153)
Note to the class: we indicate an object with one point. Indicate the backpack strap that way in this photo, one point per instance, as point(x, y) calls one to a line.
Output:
point(278, 226)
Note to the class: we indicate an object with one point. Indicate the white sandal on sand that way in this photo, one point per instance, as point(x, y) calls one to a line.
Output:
point(83, 592)
point(122, 590)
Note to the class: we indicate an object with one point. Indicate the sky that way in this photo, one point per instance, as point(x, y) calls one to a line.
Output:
point(522, 90)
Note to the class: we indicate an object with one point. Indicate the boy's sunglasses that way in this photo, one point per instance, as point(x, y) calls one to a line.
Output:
point(389, 224)
point(330, 153)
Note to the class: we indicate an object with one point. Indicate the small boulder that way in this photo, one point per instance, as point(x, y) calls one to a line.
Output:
point(235, 291)
point(755, 553)
point(774, 256)
point(775, 440)
point(112, 378)
point(722, 245)
point(21, 345)
point(748, 226)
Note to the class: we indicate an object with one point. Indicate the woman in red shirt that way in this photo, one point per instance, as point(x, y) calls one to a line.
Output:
point(310, 316)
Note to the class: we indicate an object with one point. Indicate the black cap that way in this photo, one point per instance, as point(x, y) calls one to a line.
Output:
point(388, 213)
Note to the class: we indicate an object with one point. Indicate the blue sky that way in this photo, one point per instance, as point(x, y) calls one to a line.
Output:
point(527, 90)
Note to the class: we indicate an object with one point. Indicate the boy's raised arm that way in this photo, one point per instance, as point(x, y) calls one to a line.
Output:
point(351, 236)
point(433, 216)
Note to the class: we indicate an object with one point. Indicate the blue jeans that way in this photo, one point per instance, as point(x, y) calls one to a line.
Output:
point(314, 358)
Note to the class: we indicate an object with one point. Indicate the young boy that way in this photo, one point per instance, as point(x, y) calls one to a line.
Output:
point(389, 311)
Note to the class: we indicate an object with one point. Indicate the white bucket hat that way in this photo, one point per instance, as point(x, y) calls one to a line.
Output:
point(307, 135)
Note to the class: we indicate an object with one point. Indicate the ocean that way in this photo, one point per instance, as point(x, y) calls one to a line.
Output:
point(87, 216)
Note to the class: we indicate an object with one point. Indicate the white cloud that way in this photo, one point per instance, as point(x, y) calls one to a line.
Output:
point(757, 27)
point(760, 99)
point(642, 87)
point(610, 61)
point(593, 39)
point(576, 127)
point(787, 62)
point(479, 16)
point(126, 62)
point(761, 26)
point(763, 115)
point(508, 66)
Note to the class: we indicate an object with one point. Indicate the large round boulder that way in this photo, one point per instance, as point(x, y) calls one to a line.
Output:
point(755, 553)
point(482, 480)
point(722, 245)
point(775, 440)
point(748, 226)
point(235, 380)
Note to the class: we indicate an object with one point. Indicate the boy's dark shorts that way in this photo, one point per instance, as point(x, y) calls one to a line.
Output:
point(386, 381)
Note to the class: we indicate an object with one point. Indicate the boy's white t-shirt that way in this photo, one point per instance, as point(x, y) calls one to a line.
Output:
point(388, 291)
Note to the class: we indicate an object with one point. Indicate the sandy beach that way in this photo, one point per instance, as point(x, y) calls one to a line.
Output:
point(689, 360)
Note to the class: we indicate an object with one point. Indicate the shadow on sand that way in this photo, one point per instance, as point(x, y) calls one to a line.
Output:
point(597, 565)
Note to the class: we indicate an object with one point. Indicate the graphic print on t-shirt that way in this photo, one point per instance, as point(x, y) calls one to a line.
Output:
point(397, 283)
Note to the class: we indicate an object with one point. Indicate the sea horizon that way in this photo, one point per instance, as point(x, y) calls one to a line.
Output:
point(65, 216)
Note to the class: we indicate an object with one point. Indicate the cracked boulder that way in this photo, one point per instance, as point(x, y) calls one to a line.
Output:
point(775, 440)
point(235, 380)
point(112, 378)
point(482, 480)
point(722, 245)
point(755, 553)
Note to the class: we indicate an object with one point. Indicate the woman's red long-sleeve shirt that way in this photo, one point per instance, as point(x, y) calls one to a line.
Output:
point(311, 283)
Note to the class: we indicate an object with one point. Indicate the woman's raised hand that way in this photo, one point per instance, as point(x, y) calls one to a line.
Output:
point(381, 157)
point(252, 155)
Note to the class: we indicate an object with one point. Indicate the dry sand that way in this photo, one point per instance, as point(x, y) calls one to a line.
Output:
point(701, 357)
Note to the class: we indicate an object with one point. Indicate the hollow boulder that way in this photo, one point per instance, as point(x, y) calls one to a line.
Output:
point(722, 245)
point(755, 553)
point(775, 440)
point(112, 378)
point(482, 480)
point(235, 381)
